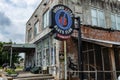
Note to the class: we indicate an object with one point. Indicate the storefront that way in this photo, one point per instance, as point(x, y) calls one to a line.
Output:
point(101, 60)
point(46, 53)
point(100, 44)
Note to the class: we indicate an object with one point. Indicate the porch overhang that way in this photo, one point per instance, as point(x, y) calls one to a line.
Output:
point(102, 42)
point(19, 47)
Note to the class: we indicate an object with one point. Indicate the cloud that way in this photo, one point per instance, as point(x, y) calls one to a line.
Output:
point(4, 20)
point(3, 38)
point(13, 15)
point(17, 3)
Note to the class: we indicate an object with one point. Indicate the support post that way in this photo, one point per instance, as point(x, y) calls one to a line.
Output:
point(11, 58)
point(65, 58)
point(113, 67)
point(80, 55)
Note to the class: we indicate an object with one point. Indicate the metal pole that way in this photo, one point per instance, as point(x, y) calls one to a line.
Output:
point(80, 55)
point(65, 57)
point(11, 58)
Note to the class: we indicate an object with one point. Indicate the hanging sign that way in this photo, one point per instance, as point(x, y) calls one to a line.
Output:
point(62, 21)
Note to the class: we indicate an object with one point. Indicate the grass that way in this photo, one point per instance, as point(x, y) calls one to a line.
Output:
point(19, 67)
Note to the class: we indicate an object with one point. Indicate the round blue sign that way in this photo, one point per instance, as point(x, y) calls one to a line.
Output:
point(63, 19)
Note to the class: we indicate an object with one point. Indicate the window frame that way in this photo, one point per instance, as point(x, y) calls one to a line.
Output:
point(112, 14)
point(29, 34)
point(116, 21)
point(98, 18)
point(36, 27)
point(46, 18)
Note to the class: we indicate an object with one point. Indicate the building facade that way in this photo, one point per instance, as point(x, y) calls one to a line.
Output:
point(100, 31)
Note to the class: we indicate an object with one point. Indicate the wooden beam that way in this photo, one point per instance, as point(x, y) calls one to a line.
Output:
point(97, 42)
point(113, 68)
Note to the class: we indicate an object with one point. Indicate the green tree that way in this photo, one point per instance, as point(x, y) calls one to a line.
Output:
point(5, 56)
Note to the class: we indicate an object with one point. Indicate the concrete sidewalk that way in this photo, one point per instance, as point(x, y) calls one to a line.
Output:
point(22, 75)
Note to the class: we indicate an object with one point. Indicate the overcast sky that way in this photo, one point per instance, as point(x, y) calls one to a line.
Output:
point(13, 17)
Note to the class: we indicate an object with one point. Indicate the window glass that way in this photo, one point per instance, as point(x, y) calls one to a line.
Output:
point(47, 56)
point(94, 17)
point(36, 28)
point(94, 13)
point(46, 19)
point(98, 18)
point(118, 22)
point(113, 21)
point(101, 19)
point(29, 34)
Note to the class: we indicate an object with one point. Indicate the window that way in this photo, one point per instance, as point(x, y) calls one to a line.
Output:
point(39, 53)
point(101, 19)
point(94, 17)
point(46, 52)
point(118, 22)
point(115, 19)
point(98, 18)
point(36, 28)
point(46, 19)
point(29, 34)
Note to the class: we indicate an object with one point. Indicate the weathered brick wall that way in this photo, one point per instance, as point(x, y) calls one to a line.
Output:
point(107, 35)
point(72, 49)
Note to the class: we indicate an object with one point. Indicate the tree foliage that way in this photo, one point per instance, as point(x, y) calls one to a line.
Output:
point(5, 56)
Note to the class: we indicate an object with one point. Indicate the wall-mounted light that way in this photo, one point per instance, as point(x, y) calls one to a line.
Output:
point(45, 4)
point(29, 24)
point(36, 15)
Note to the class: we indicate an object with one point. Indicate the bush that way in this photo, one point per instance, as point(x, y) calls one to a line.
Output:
point(11, 71)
